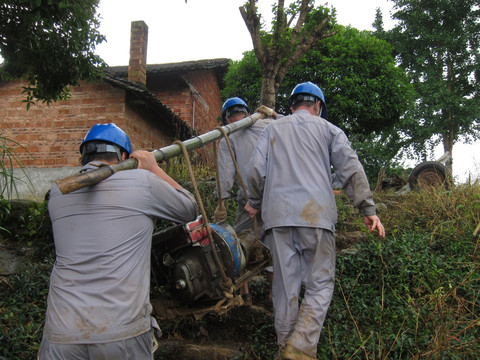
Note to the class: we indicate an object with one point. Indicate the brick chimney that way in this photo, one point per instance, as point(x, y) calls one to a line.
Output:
point(137, 66)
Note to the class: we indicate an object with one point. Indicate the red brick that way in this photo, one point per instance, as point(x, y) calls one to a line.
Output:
point(52, 134)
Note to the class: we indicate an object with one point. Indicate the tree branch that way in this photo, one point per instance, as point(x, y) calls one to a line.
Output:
point(304, 10)
point(305, 43)
point(252, 21)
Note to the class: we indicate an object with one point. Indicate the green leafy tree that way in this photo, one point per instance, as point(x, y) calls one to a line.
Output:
point(438, 46)
point(366, 93)
point(278, 51)
point(51, 44)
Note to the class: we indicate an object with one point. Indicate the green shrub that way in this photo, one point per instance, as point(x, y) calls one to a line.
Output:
point(22, 309)
point(205, 179)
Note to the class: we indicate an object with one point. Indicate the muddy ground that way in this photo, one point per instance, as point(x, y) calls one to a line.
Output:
point(240, 332)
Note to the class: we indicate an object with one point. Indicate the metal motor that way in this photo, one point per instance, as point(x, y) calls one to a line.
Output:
point(182, 257)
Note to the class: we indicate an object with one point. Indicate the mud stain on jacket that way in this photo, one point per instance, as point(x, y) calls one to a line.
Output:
point(311, 213)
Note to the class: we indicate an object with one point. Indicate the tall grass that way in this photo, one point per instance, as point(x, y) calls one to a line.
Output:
point(415, 294)
point(10, 160)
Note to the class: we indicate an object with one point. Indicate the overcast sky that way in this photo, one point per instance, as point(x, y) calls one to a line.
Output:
point(203, 29)
point(210, 29)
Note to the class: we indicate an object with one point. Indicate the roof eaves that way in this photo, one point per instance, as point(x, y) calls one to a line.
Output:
point(181, 129)
point(218, 65)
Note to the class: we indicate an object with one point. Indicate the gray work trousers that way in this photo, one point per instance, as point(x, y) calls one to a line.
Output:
point(136, 348)
point(301, 255)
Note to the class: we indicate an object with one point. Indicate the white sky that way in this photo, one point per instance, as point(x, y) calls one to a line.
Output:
point(202, 29)
point(210, 29)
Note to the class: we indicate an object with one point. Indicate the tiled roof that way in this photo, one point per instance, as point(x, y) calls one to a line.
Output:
point(118, 76)
point(220, 66)
point(162, 112)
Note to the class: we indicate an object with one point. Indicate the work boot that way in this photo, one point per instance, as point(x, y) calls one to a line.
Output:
point(292, 353)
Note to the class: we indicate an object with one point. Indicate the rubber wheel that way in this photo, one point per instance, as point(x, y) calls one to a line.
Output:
point(429, 174)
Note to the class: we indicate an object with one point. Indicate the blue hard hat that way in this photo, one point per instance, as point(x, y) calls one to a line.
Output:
point(310, 89)
point(110, 133)
point(233, 102)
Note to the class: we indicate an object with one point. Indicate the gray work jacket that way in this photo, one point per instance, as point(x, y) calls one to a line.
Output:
point(243, 143)
point(290, 173)
point(100, 282)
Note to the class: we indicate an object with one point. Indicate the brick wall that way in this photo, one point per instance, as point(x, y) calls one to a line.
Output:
point(206, 118)
point(143, 132)
point(179, 100)
point(189, 106)
point(50, 135)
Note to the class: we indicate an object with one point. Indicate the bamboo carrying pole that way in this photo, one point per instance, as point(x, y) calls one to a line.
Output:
point(81, 180)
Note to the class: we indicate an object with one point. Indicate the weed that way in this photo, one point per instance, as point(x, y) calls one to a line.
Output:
point(22, 310)
point(9, 159)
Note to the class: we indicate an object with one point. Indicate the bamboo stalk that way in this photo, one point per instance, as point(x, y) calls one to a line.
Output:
point(81, 180)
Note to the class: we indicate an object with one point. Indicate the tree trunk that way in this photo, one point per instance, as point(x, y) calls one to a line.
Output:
point(449, 135)
point(447, 139)
point(268, 92)
point(285, 46)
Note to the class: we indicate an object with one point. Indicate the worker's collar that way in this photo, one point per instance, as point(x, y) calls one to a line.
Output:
point(92, 165)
